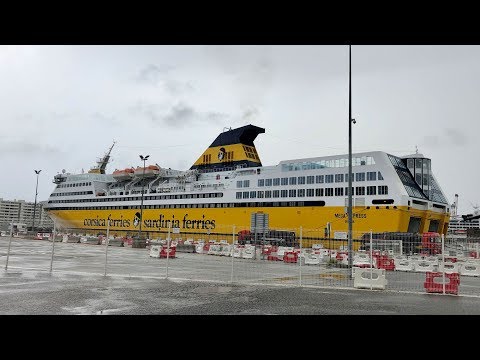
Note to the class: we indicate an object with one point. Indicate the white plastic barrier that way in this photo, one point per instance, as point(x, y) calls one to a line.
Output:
point(362, 279)
point(237, 251)
point(312, 259)
point(226, 250)
point(398, 258)
point(155, 251)
point(248, 252)
point(470, 269)
point(65, 238)
point(415, 258)
point(281, 251)
point(189, 241)
point(362, 260)
point(404, 265)
point(432, 259)
point(224, 242)
point(215, 249)
point(317, 246)
point(199, 248)
point(424, 266)
point(449, 267)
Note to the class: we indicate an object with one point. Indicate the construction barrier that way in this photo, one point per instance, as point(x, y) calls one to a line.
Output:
point(248, 252)
point(424, 266)
point(274, 257)
point(237, 251)
point(171, 254)
point(449, 267)
point(215, 249)
point(199, 248)
point(369, 279)
point(155, 251)
point(290, 257)
point(226, 250)
point(386, 264)
point(434, 283)
point(312, 259)
point(186, 248)
point(362, 261)
point(470, 269)
point(405, 265)
point(431, 259)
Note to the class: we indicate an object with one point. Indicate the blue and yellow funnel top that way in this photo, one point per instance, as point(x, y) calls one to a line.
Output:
point(230, 149)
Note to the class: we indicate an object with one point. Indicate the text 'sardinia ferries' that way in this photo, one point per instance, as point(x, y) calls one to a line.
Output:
point(228, 183)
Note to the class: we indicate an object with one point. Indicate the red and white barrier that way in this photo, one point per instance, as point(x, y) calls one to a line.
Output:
point(405, 265)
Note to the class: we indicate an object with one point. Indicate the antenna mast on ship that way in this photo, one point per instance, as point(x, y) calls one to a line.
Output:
point(102, 163)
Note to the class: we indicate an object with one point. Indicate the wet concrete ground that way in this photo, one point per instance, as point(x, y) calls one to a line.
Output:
point(136, 284)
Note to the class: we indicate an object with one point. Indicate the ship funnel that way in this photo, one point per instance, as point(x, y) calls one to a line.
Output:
point(232, 148)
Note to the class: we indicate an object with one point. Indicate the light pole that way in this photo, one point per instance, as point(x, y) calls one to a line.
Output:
point(350, 190)
point(35, 205)
point(144, 158)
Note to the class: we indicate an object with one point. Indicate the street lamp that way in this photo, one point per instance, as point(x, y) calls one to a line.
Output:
point(35, 205)
point(144, 158)
point(350, 190)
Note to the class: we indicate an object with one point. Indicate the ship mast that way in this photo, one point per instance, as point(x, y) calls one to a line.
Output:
point(102, 163)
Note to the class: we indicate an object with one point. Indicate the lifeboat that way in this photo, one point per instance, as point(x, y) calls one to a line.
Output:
point(121, 175)
point(151, 170)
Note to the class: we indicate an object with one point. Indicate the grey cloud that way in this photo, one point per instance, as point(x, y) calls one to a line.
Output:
point(151, 74)
point(456, 137)
point(178, 115)
point(175, 87)
point(250, 114)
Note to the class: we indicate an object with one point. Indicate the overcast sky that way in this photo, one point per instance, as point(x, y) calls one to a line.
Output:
point(62, 107)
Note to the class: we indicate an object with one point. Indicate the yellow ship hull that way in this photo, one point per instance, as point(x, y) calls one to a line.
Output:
point(194, 222)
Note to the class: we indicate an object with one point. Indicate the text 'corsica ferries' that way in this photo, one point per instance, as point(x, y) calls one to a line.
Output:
point(228, 183)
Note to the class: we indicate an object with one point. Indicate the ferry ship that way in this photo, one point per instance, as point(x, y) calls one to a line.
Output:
point(228, 183)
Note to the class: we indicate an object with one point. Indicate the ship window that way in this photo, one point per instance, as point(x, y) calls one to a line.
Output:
point(310, 179)
point(339, 191)
point(338, 178)
point(276, 193)
point(383, 190)
point(380, 177)
point(260, 194)
point(284, 181)
point(239, 184)
point(301, 192)
point(360, 190)
point(371, 176)
point(261, 182)
point(329, 192)
point(292, 193)
point(319, 192)
point(276, 182)
point(293, 181)
point(253, 194)
point(268, 182)
point(245, 194)
point(360, 176)
point(329, 178)
point(371, 190)
point(268, 194)
point(310, 192)
point(301, 180)
point(284, 193)
point(239, 195)
point(246, 183)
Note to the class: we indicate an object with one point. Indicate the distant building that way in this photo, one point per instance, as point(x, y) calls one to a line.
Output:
point(21, 212)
